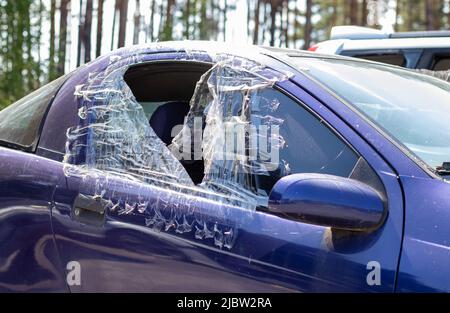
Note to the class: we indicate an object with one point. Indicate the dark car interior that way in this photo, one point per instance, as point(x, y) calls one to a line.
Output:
point(164, 90)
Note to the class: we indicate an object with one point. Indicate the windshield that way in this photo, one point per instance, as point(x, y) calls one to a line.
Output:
point(413, 108)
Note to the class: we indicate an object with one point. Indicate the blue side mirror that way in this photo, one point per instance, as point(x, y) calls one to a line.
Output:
point(326, 200)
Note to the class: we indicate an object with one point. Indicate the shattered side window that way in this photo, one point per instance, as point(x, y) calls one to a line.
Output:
point(114, 135)
point(233, 128)
point(247, 135)
point(253, 135)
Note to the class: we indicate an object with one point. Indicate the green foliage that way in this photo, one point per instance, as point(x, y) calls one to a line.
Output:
point(279, 21)
point(20, 71)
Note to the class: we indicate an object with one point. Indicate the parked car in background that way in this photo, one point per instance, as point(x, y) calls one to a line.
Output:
point(118, 176)
point(428, 50)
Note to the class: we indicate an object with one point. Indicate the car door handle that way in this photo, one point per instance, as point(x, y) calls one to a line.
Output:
point(89, 209)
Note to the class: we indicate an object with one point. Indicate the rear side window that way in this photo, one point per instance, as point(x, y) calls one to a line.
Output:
point(21, 121)
point(441, 63)
point(391, 58)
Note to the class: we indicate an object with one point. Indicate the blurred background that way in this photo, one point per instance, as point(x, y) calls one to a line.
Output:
point(41, 40)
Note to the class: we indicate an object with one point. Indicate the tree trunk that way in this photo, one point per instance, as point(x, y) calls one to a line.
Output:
point(364, 12)
point(438, 14)
point(113, 33)
point(249, 17)
point(430, 16)
point(448, 17)
point(62, 37)
point(225, 12)
point(98, 48)
point(39, 36)
point(353, 12)
point(17, 51)
point(256, 28)
point(167, 32)
point(410, 16)
point(273, 14)
point(296, 27)
point(137, 23)
point(308, 24)
point(87, 31)
point(152, 19)
point(203, 25)
point(80, 34)
point(161, 20)
point(52, 64)
point(28, 44)
point(285, 23)
point(334, 15)
point(122, 22)
point(266, 16)
point(186, 17)
point(397, 14)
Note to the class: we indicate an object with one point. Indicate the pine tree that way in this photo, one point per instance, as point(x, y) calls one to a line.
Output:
point(168, 24)
point(62, 37)
point(137, 23)
point(98, 48)
point(123, 11)
point(308, 24)
point(52, 65)
point(87, 27)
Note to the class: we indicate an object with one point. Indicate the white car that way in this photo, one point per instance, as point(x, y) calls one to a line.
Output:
point(416, 50)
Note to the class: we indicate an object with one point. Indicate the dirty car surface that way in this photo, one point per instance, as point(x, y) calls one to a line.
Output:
point(153, 168)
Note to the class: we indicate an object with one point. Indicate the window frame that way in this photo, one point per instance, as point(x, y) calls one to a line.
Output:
point(428, 57)
point(412, 56)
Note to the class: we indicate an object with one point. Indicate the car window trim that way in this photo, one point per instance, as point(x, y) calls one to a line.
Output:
point(41, 125)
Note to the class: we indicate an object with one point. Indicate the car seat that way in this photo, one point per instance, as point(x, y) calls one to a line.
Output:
point(163, 120)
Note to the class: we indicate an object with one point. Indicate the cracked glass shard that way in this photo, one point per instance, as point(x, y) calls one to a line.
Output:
point(444, 75)
point(231, 126)
point(240, 137)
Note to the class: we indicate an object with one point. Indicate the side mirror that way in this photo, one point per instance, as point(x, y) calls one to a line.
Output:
point(326, 200)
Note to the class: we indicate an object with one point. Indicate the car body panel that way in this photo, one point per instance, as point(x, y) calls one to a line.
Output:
point(29, 260)
point(425, 259)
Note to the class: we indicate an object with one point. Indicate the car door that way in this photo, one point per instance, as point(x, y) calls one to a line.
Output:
point(119, 228)
point(28, 255)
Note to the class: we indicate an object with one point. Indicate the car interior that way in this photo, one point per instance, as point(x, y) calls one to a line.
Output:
point(441, 63)
point(166, 103)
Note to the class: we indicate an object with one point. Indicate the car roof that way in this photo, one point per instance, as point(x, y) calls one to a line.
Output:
point(397, 43)
point(338, 45)
point(358, 32)
point(282, 53)
point(352, 38)
point(213, 48)
point(276, 58)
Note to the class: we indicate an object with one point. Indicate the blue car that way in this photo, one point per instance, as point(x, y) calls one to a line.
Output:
point(199, 167)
